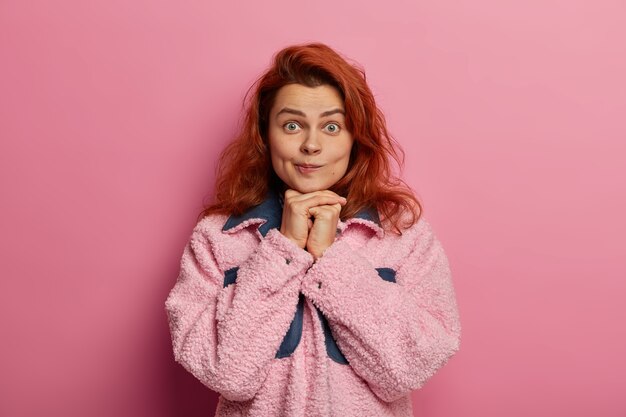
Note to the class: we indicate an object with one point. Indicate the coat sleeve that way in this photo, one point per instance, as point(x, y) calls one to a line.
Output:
point(394, 335)
point(226, 336)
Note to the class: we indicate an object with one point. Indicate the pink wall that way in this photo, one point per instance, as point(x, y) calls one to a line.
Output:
point(112, 114)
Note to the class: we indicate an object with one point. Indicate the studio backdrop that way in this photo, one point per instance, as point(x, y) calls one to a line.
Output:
point(511, 117)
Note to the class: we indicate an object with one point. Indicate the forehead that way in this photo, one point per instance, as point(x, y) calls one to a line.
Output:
point(302, 97)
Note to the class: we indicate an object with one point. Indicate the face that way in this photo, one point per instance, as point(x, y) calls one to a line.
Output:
point(309, 142)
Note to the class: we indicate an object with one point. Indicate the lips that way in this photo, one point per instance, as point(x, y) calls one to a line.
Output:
point(307, 168)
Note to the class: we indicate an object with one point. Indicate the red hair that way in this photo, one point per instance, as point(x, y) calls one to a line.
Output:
point(245, 171)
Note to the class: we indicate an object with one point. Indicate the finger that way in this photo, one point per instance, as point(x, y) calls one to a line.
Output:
point(325, 211)
point(331, 208)
point(304, 203)
point(291, 194)
point(295, 196)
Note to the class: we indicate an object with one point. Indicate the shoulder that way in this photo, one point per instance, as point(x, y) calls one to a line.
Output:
point(417, 241)
point(207, 232)
point(210, 224)
point(228, 248)
point(427, 251)
point(419, 231)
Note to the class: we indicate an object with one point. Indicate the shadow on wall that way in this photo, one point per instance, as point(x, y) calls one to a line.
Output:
point(187, 396)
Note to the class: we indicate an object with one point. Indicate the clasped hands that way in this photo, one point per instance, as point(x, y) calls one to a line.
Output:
point(310, 220)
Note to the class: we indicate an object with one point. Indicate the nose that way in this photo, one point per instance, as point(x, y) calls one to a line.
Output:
point(311, 144)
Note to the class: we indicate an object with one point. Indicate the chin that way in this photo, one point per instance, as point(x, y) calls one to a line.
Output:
point(308, 188)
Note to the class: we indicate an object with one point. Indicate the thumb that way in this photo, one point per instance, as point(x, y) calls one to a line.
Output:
point(313, 211)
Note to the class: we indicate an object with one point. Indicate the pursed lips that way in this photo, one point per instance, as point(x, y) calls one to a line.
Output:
point(307, 168)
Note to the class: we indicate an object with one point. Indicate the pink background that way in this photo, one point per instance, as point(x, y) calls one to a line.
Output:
point(112, 114)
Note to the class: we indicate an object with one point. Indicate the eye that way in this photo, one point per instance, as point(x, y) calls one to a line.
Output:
point(291, 126)
point(332, 128)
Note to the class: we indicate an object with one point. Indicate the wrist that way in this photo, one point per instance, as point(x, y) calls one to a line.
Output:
point(317, 251)
point(299, 242)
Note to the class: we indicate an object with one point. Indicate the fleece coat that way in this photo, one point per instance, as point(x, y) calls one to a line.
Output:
point(256, 319)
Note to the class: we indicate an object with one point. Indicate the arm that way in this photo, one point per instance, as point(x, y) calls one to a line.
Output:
point(226, 337)
point(394, 335)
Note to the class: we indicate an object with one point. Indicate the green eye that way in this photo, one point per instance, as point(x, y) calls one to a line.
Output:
point(332, 127)
point(291, 126)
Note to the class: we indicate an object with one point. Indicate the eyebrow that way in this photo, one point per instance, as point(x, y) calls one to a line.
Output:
point(301, 113)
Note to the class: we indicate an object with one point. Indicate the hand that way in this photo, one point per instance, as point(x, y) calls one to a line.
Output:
point(322, 233)
point(296, 221)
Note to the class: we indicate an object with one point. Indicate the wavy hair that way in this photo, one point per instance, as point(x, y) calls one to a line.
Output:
point(244, 170)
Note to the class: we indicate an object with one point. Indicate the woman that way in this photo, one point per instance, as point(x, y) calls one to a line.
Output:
point(312, 286)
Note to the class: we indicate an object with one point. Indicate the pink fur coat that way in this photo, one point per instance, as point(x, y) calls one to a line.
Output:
point(253, 317)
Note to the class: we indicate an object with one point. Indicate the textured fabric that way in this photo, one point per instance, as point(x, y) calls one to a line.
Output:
point(377, 317)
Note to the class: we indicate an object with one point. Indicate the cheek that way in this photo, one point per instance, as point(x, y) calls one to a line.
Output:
point(342, 166)
point(278, 164)
point(274, 161)
point(345, 155)
point(279, 148)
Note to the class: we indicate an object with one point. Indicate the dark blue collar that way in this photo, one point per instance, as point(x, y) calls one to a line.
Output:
point(271, 211)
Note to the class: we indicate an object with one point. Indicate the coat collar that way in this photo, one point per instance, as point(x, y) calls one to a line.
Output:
point(268, 215)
